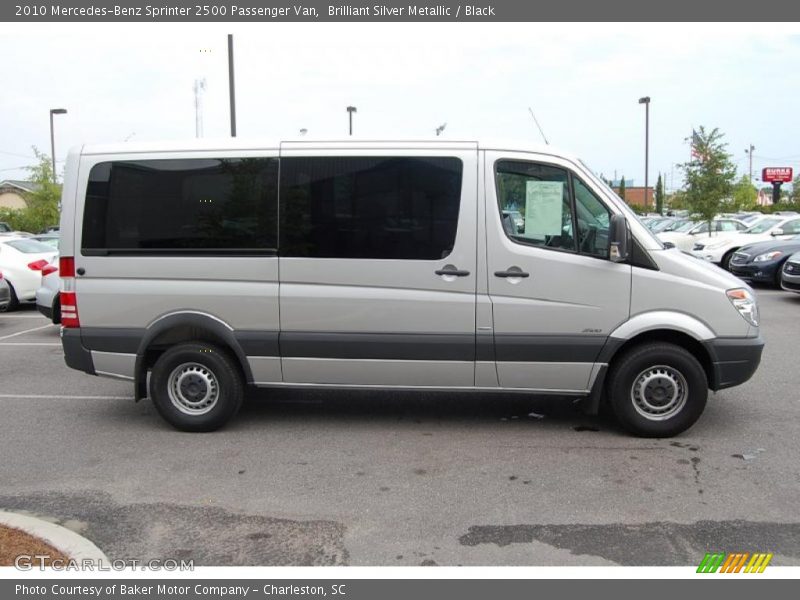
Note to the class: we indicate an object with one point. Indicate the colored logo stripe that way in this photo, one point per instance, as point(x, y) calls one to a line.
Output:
point(758, 563)
point(734, 562)
point(711, 562)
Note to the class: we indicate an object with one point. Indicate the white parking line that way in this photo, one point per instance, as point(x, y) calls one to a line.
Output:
point(29, 344)
point(56, 397)
point(5, 337)
point(14, 317)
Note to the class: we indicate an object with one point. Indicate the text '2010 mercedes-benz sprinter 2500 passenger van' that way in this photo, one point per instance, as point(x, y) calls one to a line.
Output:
point(195, 269)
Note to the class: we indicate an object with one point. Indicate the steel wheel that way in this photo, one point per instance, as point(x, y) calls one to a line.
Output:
point(193, 389)
point(659, 392)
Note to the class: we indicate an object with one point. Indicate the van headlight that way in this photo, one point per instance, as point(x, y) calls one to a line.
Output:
point(745, 303)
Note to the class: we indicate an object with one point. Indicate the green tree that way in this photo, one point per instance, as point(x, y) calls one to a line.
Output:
point(622, 187)
point(744, 194)
point(795, 196)
point(660, 195)
point(709, 175)
point(42, 203)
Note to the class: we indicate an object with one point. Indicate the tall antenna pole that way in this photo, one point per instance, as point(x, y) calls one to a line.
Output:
point(231, 85)
point(530, 110)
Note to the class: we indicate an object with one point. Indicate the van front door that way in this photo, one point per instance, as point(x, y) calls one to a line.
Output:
point(555, 294)
point(378, 265)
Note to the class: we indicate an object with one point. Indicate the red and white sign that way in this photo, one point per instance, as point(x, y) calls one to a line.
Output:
point(777, 174)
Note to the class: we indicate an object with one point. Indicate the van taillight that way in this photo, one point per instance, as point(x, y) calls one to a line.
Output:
point(66, 264)
point(69, 310)
point(68, 295)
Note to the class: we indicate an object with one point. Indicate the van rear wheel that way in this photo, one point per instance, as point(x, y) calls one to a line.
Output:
point(196, 387)
point(657, 390)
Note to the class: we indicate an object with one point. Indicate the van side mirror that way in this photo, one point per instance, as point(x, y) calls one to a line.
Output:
point(619, 239)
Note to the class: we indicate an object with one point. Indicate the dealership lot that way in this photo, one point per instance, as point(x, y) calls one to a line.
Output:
point(400, 478)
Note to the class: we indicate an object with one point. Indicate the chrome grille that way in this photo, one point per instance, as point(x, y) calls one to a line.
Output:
point(739, 258)
point(792, 268)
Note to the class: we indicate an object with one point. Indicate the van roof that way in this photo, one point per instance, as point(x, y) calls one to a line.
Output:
point(212, 144)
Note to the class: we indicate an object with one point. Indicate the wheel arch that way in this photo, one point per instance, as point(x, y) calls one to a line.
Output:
point(665, 335)
point(659, 326)
point(179, 327)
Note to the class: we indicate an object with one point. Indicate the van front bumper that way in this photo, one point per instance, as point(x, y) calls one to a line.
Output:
point(733, 360)
point(76, 355)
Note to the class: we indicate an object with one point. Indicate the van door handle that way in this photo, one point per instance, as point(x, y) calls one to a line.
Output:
point(512, 272)
point(452, 271)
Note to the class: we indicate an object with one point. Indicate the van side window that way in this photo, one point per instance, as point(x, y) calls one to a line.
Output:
point(540, 205)
point(182, 205)
point(369, 207)
point(535, 205)
point(593, 221)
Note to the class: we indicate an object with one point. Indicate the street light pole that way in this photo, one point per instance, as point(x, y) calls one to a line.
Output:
point(749, 152)
point(54, 111)
point(350, 111)
point(231, 85)
point(646, 101)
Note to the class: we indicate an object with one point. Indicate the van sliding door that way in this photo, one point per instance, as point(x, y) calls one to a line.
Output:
point(378, 265)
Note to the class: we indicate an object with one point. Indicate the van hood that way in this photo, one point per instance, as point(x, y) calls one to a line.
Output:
point(681, 264)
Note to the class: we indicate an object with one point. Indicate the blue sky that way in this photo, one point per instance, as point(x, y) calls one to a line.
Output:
point(582, 80)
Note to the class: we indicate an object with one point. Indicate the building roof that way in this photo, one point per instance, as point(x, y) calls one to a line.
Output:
point(23, 186)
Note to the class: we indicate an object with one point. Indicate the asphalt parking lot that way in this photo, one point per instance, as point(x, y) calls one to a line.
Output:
point(399, 478)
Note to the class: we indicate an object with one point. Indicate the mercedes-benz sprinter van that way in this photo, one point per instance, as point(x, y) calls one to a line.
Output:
point(194, 269)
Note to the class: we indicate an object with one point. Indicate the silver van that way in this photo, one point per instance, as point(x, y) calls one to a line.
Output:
point(194, 269)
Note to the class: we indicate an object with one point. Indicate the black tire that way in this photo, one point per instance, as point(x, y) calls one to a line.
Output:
point(13, 304)
point(776, 282)
point(207, 387)
point(658, 409)
point(57, 310)
point(725, 263)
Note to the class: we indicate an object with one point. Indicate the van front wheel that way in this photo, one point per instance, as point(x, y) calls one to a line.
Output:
point(657, 390)
point(196, 387)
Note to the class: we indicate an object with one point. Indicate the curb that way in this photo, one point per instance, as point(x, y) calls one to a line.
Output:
point(71, 544)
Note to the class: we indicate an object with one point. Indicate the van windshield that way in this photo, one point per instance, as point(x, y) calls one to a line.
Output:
point(632, 216)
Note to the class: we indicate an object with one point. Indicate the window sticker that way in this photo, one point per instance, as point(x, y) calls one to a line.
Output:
point(544, 206)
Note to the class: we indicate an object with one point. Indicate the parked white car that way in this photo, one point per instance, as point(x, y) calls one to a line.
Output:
point(721, 250)
point(685, 236)
point(23, 262)
point(48, 301)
